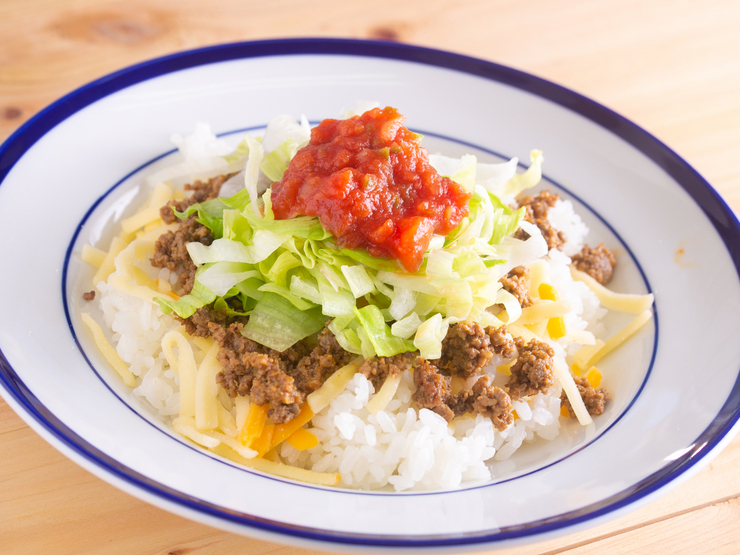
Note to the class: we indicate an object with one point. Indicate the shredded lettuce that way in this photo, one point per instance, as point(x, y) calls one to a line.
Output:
point(290, 276)
point(276, 323)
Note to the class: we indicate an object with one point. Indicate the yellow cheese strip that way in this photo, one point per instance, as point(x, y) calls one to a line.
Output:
point(618, 338)
point(206, 391)
point(302, 439)
point(264, 443)
point(161, 194)
point(538, 274)
point(143, 279)
point(226, 422)
point(622, 302)
point(191, 433)
point(241, 405)
point(384, 395)
point(561, 371)
point(94, 257)
point(107, 267)
point(543, 310)
point(584, 354)
point(254, 424)
point(203, 343)
point(280, 469)
point(522, 332)
point(333, 386)
point(109, 353)
point(152, 236)
point(184, 365)
point(285, 430)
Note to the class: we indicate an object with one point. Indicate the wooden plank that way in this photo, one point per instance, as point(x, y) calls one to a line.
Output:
point(670, 66)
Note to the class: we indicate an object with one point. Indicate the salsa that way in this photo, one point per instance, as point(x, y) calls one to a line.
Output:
point(370, 183)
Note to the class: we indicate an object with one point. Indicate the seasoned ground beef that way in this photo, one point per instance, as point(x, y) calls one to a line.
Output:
point(89, 296)
point(492, 402)
point(594, 399)
point(325, 359)
point(532, 370)
point(197, 325)
point(377, 369)
point(598, 263)
point(536, 208)
point(280, 379)
point(467, 348)
point(515, 282)
point(434, 392)
point(432, 389)
point(202, 191)
point(170, 250)
point(262, 373)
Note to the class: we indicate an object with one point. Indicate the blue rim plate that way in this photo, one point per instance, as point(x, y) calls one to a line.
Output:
point(694, 194)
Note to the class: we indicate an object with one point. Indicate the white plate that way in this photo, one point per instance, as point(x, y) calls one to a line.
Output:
point(74, 167)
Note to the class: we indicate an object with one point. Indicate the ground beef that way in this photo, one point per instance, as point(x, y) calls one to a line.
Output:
point(325, 359)
point(598, 263)
point(532, 370)
point(89, 296)
point(170, 250)
point(494, 403)
point(377, 369)
point(280, 379)
point(434, 392)
point(262, 373)
point(594, 399)
point(515, 282)
point(197, 325)
point(536, 208)
point(432, 389)
point(467, 348)
point(202, 191)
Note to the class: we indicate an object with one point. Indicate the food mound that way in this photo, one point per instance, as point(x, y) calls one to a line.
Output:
point(336, 306)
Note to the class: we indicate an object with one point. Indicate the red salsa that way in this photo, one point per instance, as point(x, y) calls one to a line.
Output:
point(370, 183)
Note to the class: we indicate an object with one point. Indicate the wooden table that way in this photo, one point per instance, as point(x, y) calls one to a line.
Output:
point(672, 67)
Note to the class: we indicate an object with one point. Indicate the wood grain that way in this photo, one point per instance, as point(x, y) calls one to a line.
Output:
point(671, 66)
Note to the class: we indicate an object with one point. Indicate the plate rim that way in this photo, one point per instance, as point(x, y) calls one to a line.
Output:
point(703, 195)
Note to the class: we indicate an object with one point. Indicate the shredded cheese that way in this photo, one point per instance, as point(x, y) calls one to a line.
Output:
point(206, 391)
point(264, 442)
point(241, 405)
point(107, 267)
point(94, 257)
point(332, 387)
point(226, 422)
point(622, 302)
point(253, 424)
point(543, 310)
point(584, 354)
point(617, 339)
point(184, 365)
point(538, 274)
point(161, 194)
point(302, 439)
point(384, 395)
point(280, 469)
point(285, 430)
point(109, 353)
point(571, 391)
